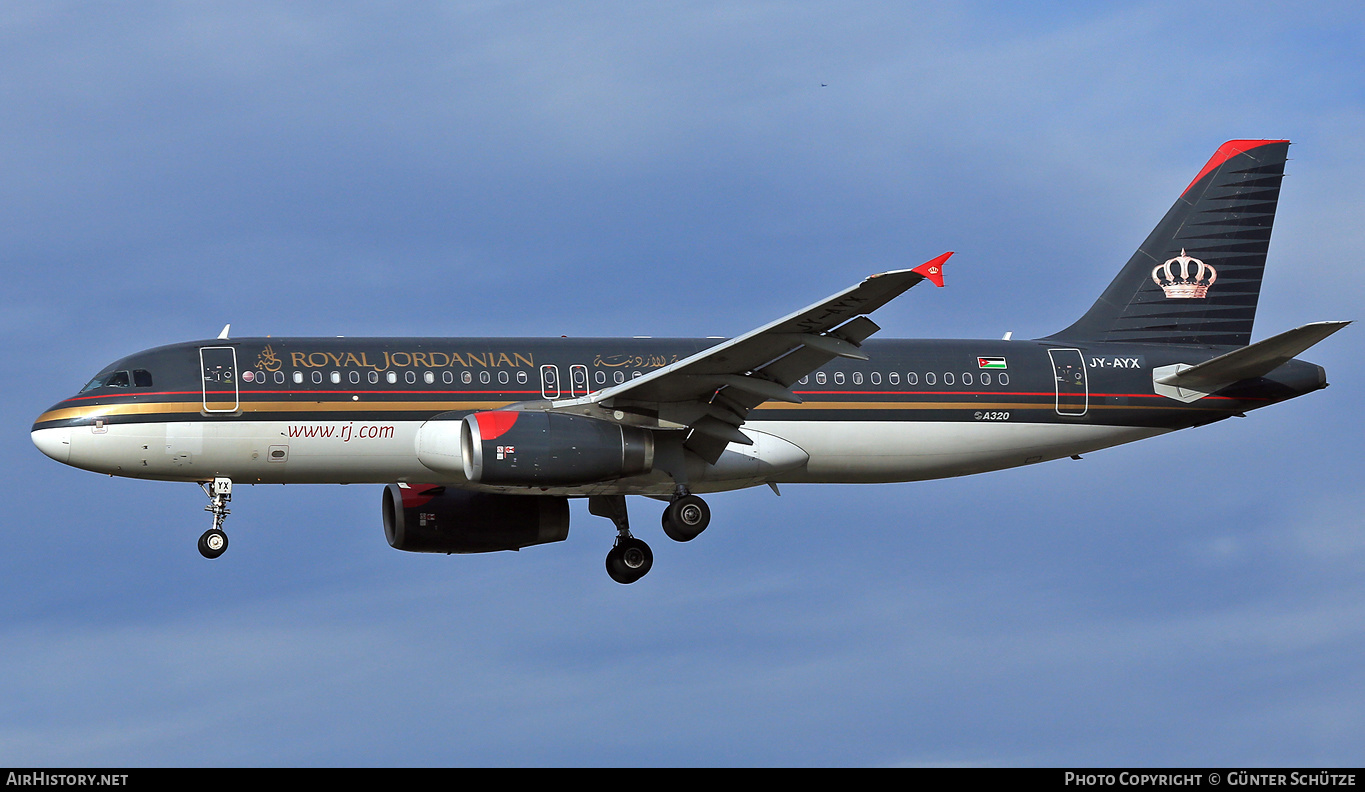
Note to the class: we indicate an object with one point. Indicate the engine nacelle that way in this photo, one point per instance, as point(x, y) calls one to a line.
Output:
point(543, 449)
point(431, 519)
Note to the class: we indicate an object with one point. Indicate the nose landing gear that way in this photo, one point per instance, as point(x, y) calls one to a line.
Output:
point(214, 541)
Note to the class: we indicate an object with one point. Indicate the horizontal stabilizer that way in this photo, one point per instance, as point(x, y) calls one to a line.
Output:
point(1249, 362)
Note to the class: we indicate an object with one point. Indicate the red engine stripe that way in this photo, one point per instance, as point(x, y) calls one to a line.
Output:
point(494, 424)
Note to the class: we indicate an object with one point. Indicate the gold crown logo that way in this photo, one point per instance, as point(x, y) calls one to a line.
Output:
point(1184, 286)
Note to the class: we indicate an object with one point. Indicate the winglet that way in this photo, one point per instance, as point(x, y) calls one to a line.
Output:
point(933, 269)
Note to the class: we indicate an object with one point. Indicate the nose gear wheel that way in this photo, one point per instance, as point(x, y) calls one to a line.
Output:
point(214, 541)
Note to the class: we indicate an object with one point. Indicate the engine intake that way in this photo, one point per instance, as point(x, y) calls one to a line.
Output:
point(539, 448)
point(435, 519)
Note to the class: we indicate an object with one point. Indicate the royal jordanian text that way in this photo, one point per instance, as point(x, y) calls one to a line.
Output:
point(65, 779)
point(383, 361)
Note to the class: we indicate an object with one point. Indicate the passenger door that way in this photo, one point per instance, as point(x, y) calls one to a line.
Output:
point(219, 368)
point(1073, 392)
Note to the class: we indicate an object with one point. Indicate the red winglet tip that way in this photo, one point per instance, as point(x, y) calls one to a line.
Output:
point(933, 269)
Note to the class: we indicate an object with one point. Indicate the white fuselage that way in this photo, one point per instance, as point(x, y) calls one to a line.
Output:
point(345, 452)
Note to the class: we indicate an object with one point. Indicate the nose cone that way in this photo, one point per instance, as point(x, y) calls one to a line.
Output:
point(56, 443)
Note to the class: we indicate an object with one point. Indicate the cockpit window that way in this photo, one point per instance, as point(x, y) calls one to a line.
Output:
point(140, 378)
point(111, 379)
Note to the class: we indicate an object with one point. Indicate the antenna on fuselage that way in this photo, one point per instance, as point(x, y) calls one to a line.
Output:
point(223, 335)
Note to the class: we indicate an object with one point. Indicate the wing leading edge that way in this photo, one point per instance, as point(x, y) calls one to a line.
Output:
point(710, 394)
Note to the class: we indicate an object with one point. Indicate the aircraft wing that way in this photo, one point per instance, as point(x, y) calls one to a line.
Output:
point(712, 392)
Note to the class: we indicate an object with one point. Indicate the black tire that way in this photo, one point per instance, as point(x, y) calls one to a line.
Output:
point(685, 518)
point(630, 560)
point(213, 543)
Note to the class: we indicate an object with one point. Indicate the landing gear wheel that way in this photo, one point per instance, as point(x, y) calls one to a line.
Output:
point(629, 560)
point(685, 518)
point(212, 543)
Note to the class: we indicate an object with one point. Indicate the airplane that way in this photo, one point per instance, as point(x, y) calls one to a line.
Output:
point(481, 442)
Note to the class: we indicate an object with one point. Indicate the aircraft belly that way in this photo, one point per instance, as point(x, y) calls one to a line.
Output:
point(350, 452)
point(884, 451)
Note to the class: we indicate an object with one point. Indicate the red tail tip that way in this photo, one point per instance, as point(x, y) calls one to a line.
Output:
point(1226, 152)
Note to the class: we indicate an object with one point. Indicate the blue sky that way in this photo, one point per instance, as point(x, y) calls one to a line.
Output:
point(674, 169)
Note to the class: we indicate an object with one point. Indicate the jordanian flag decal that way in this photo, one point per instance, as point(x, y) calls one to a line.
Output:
point(991, 363)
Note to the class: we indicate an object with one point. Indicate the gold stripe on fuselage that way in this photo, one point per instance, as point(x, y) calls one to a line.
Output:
point(180, 408)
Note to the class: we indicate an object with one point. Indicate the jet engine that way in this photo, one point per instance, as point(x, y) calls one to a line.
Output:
point(540, 449)
point(435, 519)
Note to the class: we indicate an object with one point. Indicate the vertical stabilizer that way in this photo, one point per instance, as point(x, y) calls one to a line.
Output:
point(1197, 277)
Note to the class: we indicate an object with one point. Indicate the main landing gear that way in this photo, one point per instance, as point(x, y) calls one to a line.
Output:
point(686, 517)
point(630, 559)
point(215, 541)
